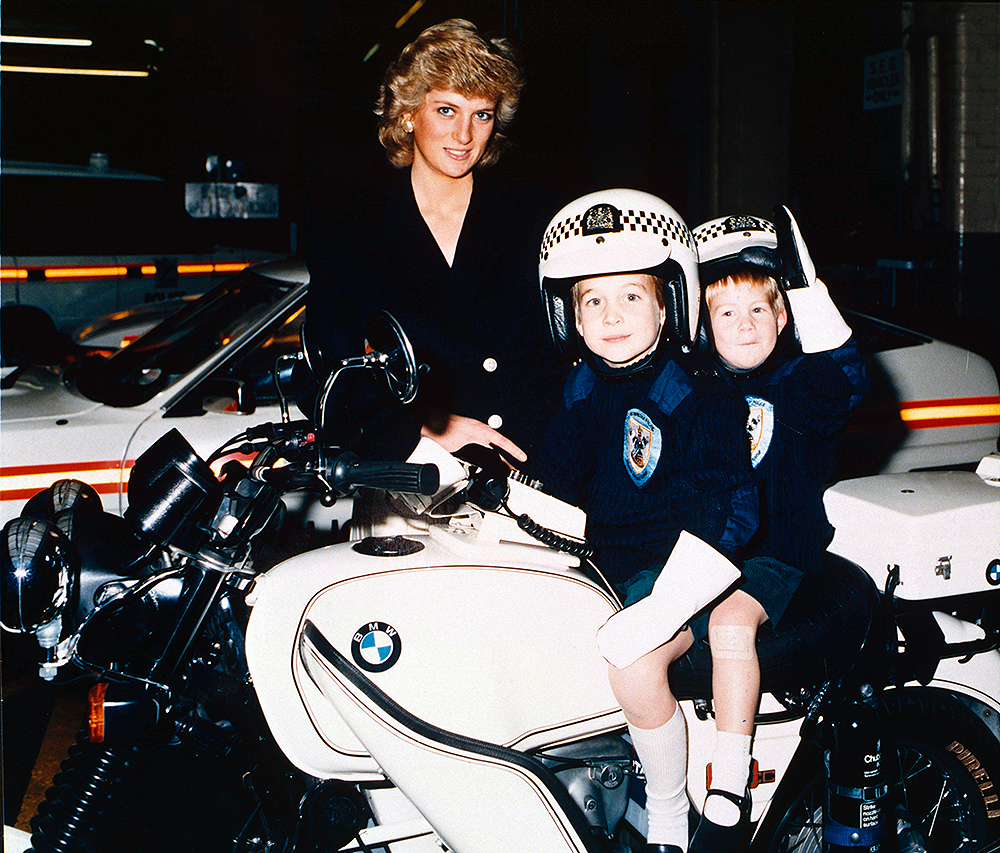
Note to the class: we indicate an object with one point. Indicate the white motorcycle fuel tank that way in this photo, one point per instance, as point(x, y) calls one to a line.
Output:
point(495, 643)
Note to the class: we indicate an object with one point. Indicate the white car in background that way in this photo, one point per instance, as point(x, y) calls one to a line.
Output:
point(207, 370)
point(931, 404)
point(80, 241)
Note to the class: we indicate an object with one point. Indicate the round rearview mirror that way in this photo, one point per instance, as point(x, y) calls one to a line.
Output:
point(386, 341)
point(312, 353)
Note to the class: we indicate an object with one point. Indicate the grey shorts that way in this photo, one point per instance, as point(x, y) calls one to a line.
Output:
point(768, 581)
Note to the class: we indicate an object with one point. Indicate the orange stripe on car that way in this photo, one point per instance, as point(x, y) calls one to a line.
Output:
point(20, 482)
point(957, 411)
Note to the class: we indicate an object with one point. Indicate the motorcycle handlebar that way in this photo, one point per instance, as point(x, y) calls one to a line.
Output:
point(392, 476)
point(288, 479)
point(349, 474)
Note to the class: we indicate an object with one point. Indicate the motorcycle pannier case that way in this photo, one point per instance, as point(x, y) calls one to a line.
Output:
point(941, 528)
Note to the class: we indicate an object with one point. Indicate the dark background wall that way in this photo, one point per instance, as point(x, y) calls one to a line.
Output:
point(719, 107)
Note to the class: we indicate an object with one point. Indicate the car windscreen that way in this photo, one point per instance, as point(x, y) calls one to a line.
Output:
point(875, 335)
point(178, 344)
point(56, 215)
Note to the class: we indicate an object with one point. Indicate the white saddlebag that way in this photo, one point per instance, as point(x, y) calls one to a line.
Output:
point(942, 528)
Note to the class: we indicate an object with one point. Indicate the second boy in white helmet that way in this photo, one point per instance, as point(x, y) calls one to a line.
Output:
point(800, 389)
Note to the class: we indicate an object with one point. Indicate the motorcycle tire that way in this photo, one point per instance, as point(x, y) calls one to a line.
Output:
point(944, 766)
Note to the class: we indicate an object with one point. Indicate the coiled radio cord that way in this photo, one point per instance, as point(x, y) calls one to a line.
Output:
point(549, 537)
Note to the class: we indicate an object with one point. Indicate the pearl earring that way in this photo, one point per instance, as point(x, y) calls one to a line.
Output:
point(409, 127)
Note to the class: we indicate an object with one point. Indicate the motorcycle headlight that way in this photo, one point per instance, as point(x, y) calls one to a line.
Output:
point(63, 495)
point(38, 570)
point(167, 489)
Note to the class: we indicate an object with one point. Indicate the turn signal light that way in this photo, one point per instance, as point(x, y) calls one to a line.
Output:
point(95, 715)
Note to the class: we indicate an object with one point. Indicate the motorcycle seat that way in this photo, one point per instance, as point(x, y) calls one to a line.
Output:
point(833, 617)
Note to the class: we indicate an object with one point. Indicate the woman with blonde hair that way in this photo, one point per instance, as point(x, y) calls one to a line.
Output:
point(454, 255)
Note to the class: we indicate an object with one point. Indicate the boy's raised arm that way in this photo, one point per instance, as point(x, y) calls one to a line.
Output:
point(818, 323)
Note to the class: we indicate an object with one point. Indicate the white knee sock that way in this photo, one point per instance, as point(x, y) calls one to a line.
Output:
point(663, 754)
point(730, 772)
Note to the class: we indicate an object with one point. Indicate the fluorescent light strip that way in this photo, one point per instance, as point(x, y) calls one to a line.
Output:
point(78, 72)
point(55, 42)
point(409, 14)
point(86, 272)
point(21, 273)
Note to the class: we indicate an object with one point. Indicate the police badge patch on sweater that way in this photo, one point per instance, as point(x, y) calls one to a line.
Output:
point(760, 427)
point(642, 446)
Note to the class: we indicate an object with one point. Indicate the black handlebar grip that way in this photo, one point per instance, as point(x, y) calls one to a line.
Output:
point(395, 476)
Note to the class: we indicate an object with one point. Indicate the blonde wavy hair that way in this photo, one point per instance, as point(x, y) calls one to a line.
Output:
point(450, 56)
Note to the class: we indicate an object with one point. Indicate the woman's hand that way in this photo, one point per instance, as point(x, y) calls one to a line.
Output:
point(459, 431)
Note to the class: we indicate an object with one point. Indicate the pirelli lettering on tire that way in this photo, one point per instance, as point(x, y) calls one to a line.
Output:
point(986, 789)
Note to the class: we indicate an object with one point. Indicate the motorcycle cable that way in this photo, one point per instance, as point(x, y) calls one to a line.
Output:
point(548, 537)
point(107, 609)
point(491, 493)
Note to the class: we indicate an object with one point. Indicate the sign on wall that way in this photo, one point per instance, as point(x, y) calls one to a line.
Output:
point(884, 80)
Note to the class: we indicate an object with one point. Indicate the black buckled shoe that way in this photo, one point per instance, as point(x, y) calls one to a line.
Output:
point(663, 848)
point(712, 838)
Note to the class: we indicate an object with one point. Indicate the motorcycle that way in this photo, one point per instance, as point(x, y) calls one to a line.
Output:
point(434, 683)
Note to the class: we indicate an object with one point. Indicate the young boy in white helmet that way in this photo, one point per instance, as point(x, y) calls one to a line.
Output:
point(651, 442)
point(800, 390)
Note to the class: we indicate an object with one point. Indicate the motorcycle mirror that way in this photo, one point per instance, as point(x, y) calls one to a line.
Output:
point(387, 350)
point(312, 352)
point(385, 339)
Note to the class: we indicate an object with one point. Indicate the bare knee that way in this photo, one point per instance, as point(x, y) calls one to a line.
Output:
point(738, 608)
point(643, 689)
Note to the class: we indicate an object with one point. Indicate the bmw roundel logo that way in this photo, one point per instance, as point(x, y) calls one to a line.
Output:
point(993, 573)
point(376, 646)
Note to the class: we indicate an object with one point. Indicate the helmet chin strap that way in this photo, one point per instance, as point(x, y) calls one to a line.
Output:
point(732, 368)
point(650, 349)
point(642, 364)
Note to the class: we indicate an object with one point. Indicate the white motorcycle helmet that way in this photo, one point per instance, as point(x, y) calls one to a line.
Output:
point(733, 243)
point(619, 231)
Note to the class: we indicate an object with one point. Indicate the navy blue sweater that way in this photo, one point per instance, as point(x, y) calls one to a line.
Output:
point(799, 406)
point(648, 457)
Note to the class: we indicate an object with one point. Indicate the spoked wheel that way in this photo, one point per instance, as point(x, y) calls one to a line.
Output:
point(943, 765)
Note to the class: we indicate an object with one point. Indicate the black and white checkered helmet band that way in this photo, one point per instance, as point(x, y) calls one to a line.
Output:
point(631, 220)
point(729, 235)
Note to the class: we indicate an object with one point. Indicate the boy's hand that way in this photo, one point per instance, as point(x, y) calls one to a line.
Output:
point(819, 326)
point(797, 268)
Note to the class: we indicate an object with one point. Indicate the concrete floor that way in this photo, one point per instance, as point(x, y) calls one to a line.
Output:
point(38, 723)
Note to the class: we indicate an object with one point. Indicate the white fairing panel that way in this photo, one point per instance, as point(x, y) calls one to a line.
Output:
point(477, 641)
point(475, 796)
point(504, 655)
